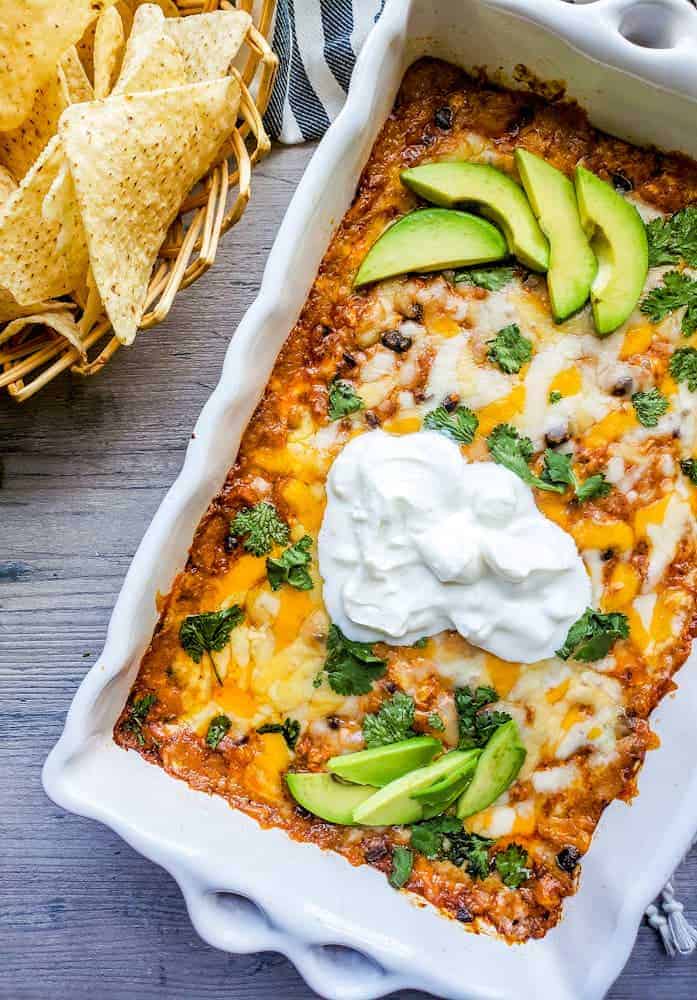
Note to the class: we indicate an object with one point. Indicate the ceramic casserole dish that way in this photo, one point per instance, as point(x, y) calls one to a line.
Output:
point(631, 66)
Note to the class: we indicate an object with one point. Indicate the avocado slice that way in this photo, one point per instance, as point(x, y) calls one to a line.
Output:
point(572, 263)
point(324, 796)
point(618, 239)
point(442, 793)
point(495, 194)
point(381, 765)
point(431, 239)
point(395, 804)
point(498, 765)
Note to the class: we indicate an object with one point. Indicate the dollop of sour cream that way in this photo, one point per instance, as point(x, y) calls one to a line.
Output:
point(416, 540)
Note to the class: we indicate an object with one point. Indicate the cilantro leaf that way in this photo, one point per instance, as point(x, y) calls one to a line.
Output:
point(420, 643)
point(445, 838)
point(649, 406)
point(137, 714)
point(512, 866)
point(509, 349)
point(593, 488)
point(436, 722)
point(593, 635)
point(555, 396)
point(689, 468)
point(509, 449)
point(392, 722)
point(677, 290)
point(671, 239)
point(351, 667)
point(402, 864)
point(291, 566)
point(475, 728)
point(290, 731)
point(683, 366)
point(261, 528)
point(217, 729)
point(460, 425)
point(343, 400)
point(557, 469)
point(491, 278)
point(209, 632)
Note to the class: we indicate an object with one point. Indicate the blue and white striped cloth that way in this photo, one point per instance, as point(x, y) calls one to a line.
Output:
point(317, 42)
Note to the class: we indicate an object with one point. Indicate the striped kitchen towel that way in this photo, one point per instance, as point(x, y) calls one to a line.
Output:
point(317, 42)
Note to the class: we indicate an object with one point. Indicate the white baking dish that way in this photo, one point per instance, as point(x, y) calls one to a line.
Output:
point(247, 889)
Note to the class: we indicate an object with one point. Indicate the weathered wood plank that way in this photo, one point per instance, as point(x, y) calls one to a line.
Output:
point(85, 465)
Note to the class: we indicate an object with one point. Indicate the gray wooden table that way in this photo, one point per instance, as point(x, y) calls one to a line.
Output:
point(83, 467)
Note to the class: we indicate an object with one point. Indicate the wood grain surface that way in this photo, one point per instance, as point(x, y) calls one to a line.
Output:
point(83, 467)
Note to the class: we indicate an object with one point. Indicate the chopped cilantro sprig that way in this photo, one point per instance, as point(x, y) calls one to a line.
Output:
point(514, 451)
point(402, 864)
point(444, 838)
point(683, 366)
point(343, 400)
point(289, 730)
point(509, 349)
point(491, 278)
point(558, 471)
point(649, 406)
point(217, 730)
point(291, 566)
point(137, 715)
point(459, 424)
point(593, 636)
point(671, 240)
point(208, 633)
point(475, 727)
point(392, 722)
point(512, 865)
point(351, 667)
point(261, 528)
point(677, 290)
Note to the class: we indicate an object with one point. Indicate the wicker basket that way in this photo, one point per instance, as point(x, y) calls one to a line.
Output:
point(33, 353)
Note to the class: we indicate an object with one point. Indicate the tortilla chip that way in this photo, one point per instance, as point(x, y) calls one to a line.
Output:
point(7, 185)
point(30, 268)
point(152, 60)
point(108, 51)
point(60, 322)
point(11, 309)
point(79, 87)
point(209, 42)
point(33, 36)
point(21, 147)
point(133, 158)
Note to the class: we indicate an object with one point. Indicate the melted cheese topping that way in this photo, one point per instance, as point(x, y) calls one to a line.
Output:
point(570, 714)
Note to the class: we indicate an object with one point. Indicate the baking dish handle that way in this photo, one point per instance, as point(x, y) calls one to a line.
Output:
point(652, 39)
point(234, 923)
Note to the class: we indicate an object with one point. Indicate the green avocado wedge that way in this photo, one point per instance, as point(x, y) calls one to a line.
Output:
point(495, 195)
point(572, 263)
point(396, 804)
point(618, 239)
point(381, 765)
point(324, 796)
point(431, 239)
point(500, 762)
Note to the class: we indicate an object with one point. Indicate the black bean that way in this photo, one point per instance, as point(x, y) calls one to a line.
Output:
point(230, 544)
point(556, 436)
point(416, 312)
point(395, 341)
point(464, 915)
point(621, 182)
point(623, 386)
point(444, 118)
point(450, 402)
point(371, 419)
point(568, 858)
point(334, 722)
point(375, 852)
point(349, 360)
point(607, 554)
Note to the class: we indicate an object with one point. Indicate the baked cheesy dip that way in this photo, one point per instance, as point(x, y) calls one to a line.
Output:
point(452, 569)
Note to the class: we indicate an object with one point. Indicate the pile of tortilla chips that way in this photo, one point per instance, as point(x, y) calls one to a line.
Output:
point(110, 112)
